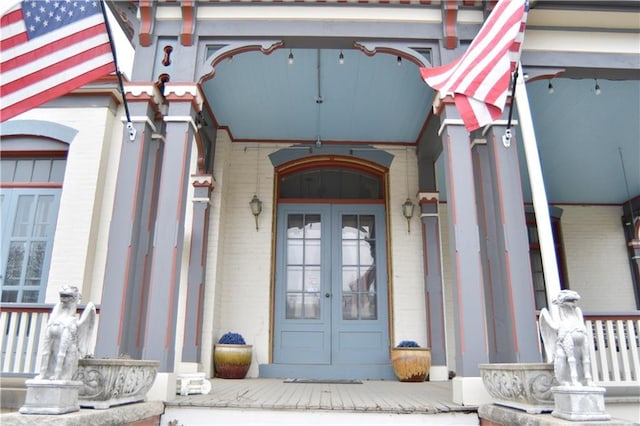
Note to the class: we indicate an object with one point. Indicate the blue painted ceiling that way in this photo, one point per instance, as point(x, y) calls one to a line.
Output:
point(372, 99)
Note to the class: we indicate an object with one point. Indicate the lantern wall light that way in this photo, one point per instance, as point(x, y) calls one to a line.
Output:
point(256, 208)
point(407, 212)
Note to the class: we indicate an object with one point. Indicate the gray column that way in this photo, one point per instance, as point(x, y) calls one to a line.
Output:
point(468, 292)
point(433, 277)
point(497, 325)
point(166, 261)
point(202, 186)
point(513, 298)
point(123, 296)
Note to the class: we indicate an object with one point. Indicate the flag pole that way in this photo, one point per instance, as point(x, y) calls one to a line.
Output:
point(539, 196)
point(130, 128)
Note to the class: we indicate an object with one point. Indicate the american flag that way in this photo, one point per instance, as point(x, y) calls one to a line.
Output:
point(479, 79)
point(49, 48)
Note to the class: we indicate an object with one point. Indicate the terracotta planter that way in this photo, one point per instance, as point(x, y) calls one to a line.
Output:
point(232, 361)
point(114, 381)
point(411, 364)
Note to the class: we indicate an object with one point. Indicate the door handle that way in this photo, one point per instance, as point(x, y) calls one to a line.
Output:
point(327, 295)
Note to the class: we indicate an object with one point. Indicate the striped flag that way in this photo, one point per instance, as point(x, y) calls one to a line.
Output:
point(479, 79)
point(49, 48)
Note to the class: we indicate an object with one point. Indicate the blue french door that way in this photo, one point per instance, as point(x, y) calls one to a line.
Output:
point(331, 286)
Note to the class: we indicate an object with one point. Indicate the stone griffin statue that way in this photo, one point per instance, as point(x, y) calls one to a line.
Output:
point(566, 341)
point(66, 338)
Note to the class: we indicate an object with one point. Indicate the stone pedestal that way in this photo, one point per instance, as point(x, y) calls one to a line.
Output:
point(51, 397)
point(579, 403)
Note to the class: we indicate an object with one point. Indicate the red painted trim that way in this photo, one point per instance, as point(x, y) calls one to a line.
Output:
point(146, 22)
point(31, 185)
point(54, 154)
point(188, 22)
point(450, 11)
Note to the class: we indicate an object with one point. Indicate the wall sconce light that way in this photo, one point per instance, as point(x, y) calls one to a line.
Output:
point(341, 58)
point(598, 91)
point(550, 87)
point(290, 57)
point(407, 211)
point(256, 208)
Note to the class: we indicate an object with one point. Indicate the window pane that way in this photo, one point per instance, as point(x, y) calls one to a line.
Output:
point(23, 171)
point(7, 169)
point(43, 213)
point(10, 296)
point(41, 171)
point(30, 296)
point(294, 278)
point(294, 226)
point(15, 260)
point(294, 252)
point(294, 306)
point(312, 252)
point(349, 252)
point(312, 279)
point(312, 306)
point(368, 309)
point(349, 279)
point(330, 182)
point(34, 264)
point(57, 170)
point(22, 217)
point(350, 306)
point(312, 226)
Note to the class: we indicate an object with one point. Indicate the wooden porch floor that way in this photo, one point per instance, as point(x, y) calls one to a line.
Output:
point(387, 397)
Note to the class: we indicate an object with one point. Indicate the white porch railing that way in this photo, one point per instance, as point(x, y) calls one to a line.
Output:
point(615, 352)
point(22, 327)
point(615, 361)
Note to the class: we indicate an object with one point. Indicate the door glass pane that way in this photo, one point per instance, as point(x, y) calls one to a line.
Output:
point(294, 278)
point(303, 266)
point(312, 226)
point(359, 296)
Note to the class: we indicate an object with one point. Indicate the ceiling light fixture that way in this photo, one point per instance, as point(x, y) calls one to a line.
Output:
point(399, 61)
point(598, 91)
point(290, 57)
point(550, 87)
point(341, 58)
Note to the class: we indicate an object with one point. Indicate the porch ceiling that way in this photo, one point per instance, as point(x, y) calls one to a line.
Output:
point(581, 136)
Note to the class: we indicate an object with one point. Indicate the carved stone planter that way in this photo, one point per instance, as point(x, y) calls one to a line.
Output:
point(525, 386)
point(114, 381)
point(232, 361)
point(411, 364)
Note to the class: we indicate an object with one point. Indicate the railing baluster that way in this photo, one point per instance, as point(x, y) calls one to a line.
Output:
point(11, 339)
point(623, 350)
point(605, 375)
point(633, 346)
point(22, 331)
point(43, 330)
point(592, 350)
point(613, 351)
point(4, 317)
point(29, 366)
